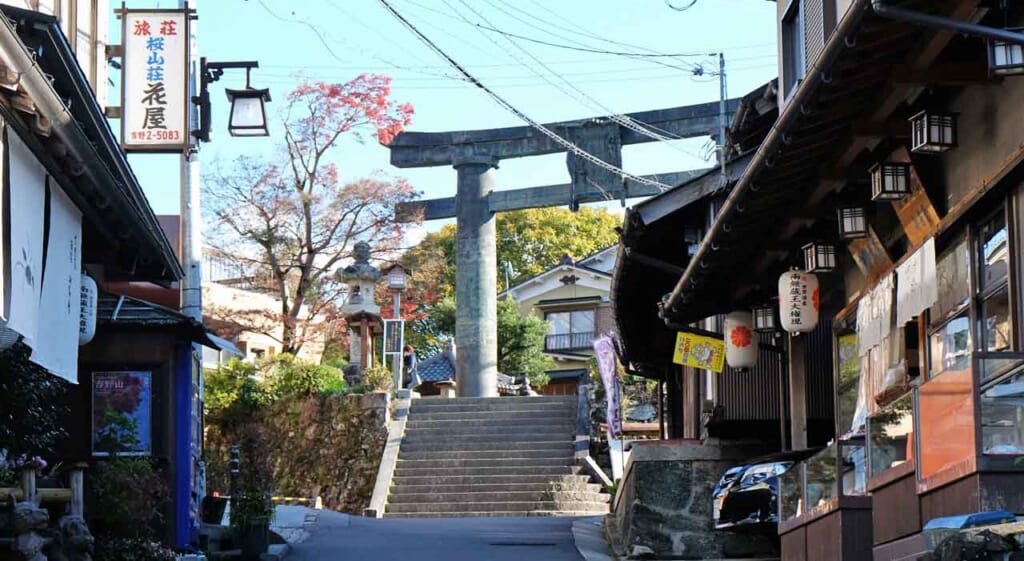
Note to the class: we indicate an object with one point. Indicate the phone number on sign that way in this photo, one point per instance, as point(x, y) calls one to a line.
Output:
point(155, 135)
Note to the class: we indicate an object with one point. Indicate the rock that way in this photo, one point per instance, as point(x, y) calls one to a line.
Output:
point(641, 552)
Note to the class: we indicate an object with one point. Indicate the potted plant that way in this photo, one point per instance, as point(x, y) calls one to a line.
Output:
point(251, 514)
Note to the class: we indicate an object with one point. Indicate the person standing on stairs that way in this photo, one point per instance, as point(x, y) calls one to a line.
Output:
point(410, 368)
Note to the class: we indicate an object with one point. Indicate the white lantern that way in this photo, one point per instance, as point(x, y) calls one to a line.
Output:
point(741, 342)
point(87, 319)
point(798, 301)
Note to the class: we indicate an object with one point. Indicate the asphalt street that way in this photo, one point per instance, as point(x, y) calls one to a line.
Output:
point(330, 536)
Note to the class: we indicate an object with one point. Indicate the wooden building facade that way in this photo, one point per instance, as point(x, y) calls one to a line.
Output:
point(898, 145)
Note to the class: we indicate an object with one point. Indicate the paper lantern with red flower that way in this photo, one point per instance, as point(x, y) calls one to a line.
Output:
point(798, 301)
point(741, 342)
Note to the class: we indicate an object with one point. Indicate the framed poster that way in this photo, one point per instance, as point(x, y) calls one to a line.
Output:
point(122, 413)
point(154, 82)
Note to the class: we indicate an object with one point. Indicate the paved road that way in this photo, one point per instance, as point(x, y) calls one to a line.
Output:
point(332, 536)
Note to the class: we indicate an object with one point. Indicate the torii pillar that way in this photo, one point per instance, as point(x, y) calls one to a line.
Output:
point(476, 312)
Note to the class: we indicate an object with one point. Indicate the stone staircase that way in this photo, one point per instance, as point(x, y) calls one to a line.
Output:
point(504, 456)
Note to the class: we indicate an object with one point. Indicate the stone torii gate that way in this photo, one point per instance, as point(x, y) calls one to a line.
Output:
point(475, 156)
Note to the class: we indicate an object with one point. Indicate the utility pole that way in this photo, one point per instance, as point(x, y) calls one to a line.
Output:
point(722, 116)
point(191, 217)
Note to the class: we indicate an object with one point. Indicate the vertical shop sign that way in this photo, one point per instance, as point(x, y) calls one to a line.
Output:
point(154, 82)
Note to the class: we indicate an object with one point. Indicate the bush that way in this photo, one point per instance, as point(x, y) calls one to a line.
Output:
point(33, 405)
point(131, 549)
point(289, 376)
point(127, 498)
point(378, 379)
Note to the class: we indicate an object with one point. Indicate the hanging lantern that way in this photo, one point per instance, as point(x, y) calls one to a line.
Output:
point(819, 257)
point(932, 133)
point(741, 341)
point(764, 318)
point(798, 301)
point(87, 320)
point(1004, 58)
point(853, 222)
point(889, 181)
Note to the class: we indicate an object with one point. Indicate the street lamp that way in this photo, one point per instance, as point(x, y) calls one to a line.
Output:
point(397, 277)
point(248, 111)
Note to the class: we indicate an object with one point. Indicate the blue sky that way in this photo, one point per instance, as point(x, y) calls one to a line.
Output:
point(335, 40)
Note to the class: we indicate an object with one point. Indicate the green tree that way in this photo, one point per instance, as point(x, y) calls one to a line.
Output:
point(533, 240)
point(521, 344)
point(529, 242)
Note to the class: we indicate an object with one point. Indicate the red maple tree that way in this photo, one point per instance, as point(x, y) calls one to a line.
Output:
point(290, 221)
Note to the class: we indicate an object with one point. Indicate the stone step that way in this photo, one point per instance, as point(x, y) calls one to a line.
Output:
point(539, 487)
point(488, 479)
point(486, 444)
point(506, 462)
point(560, 413)
point(475, 496)
point(497, 426)
point(452, 406)
point(505, 514)
point(502, 506)
point(469, 429)
point(511, 400)
point(565, 454)
point(401, 471)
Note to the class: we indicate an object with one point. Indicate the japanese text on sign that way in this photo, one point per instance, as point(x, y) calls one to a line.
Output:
point(155, 82)
point(699, 351)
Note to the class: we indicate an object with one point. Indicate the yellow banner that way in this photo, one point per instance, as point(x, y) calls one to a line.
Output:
point(698, 351)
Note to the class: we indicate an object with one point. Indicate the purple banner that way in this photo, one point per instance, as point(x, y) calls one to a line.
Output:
point(604, 351)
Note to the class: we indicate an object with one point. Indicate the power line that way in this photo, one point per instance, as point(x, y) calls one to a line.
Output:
point(622, 120)
point(511, 108)
point(323, 41)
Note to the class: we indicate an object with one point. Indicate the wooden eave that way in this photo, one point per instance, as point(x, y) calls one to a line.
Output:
point(815, 149)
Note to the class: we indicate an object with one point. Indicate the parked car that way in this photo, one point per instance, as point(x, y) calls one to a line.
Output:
point(746, 497)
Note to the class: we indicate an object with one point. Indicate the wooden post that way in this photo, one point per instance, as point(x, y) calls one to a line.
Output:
point(77, 482)
point(798, 392)
point(28, 484)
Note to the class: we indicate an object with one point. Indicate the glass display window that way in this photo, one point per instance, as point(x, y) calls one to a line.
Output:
point(1002, 419)
point(950, 346)
point(822, 481)
point(891, 435)
point(853, 468)
point(952, 268)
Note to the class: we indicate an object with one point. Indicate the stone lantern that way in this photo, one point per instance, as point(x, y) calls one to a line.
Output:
point(360, 309)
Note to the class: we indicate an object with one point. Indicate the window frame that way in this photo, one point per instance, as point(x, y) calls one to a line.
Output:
point(570, 347)
point(793, 55)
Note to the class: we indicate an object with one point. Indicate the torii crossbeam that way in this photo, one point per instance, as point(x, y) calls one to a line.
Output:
point(475, 156)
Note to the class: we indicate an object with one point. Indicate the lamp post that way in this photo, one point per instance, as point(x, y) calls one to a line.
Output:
point(397, 276)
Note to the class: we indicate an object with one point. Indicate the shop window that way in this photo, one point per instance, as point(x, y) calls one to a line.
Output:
point(851, 411)
point(891, 435)
point(1002, 419)
point(791, 503)
point(995, 331)
point(822, 486)
point(952, 268)
point(951, 346)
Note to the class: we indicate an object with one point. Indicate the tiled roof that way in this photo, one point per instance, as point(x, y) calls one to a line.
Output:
point(438, 368)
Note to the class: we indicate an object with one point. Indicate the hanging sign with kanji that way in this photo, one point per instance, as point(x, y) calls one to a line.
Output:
point(154, 81)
